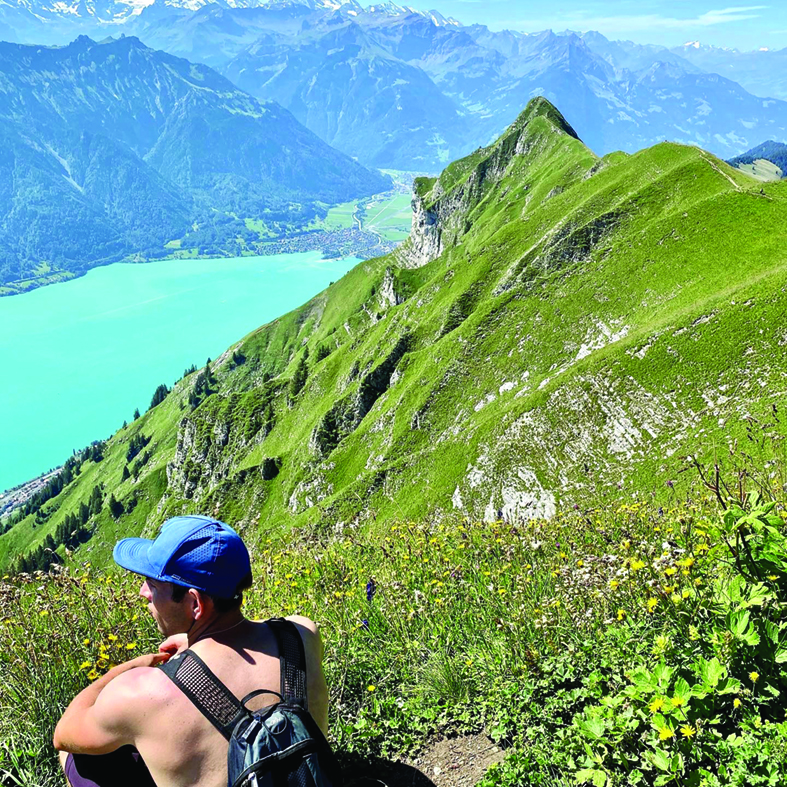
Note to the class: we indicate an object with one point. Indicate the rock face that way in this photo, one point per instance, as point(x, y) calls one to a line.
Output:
point(389, 296)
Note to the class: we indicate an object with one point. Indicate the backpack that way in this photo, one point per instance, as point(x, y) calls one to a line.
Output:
point(277, 746)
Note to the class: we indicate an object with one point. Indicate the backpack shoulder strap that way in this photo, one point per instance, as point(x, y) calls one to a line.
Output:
point(211, 697)
point(292, 661)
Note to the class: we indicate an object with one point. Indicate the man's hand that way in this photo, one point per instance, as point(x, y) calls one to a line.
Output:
point(150, 659)
point(173, 645)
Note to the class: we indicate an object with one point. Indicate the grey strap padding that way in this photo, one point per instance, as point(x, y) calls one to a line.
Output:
point(292, 660)
point(216, 702)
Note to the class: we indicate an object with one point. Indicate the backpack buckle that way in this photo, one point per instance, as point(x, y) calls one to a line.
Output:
point(250, 730)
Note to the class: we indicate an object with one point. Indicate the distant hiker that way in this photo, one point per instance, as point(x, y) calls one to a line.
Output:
point(136, 726)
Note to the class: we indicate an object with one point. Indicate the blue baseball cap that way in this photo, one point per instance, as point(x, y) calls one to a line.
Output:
point(193, 551)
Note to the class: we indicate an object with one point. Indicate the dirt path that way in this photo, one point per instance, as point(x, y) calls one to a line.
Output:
point(451, 762)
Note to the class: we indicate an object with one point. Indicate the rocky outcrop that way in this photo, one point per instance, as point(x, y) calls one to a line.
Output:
point(389, 294)
point(211, 438)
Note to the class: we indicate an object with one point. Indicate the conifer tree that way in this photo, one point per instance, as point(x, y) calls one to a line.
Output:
point(299, 378)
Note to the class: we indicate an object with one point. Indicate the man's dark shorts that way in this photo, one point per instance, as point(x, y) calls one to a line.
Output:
point(121, 768)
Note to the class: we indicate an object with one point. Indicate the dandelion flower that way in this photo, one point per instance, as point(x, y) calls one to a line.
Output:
point(636, 565)
point(736, 703)
point(656, 705)
point(92, 675)
point(85, 664)
point(652, 604)
point(678, 702)
point(665, 733)
point(85, 641)
point(772, 577)
point(112, 638)
point(754, 676)
point(621, 614)
point(687, 731)
point(371, 687)
point(131, 646)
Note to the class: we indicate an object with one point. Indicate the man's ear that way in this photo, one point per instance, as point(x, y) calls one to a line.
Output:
point(197, 603)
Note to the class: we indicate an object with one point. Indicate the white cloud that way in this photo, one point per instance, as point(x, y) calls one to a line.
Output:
point(637, 22)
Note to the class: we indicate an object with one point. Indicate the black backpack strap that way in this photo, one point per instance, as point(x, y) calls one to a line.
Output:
point(292, 661)
point(211, 697)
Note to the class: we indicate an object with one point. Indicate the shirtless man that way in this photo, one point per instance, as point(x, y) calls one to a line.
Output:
point(134, 726)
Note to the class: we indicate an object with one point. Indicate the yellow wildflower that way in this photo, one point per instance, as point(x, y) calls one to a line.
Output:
point(92, 675)
point(665, 733)
point(656, 705)
point(736, 703)
point(131, 646)
point(652, 604)
point(636, 565)
point(112, 638)
point(754, 676)
point(621, 614)
point(614, 584)
point(371, 687)
point(85, 664)
point(687, 731)
point(772, 577)
point(678, 702)
point(85, 641)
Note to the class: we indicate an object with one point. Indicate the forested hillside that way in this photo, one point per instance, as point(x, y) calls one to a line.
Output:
point(111, 150)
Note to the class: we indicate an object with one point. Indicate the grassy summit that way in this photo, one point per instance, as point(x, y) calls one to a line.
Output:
point(468, 460)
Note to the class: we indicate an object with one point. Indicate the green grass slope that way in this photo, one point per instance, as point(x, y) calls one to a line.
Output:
point(558, 326)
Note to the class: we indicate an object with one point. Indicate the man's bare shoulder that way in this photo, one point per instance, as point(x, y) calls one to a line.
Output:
point(138, 689)
point(310, 634)
point(305, 623)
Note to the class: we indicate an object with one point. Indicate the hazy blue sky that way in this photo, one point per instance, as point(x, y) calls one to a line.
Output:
point(668, 22)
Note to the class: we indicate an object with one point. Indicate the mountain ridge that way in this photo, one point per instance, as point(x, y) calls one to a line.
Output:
point(506, 374)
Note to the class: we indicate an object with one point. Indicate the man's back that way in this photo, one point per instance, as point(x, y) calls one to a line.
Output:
point(179, 745)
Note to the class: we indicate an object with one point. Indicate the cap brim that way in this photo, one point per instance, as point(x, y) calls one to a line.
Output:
point(132, 554)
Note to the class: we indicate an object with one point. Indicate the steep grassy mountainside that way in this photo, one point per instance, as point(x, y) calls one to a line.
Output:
point(113, 148)
point(557, 326)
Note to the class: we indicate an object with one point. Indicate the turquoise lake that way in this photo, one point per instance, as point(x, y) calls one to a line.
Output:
point(76, 358)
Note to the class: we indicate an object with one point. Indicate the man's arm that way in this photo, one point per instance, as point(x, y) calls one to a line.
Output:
point(102, 717)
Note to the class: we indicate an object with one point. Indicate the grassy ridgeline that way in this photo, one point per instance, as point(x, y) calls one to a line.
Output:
point(629, 644)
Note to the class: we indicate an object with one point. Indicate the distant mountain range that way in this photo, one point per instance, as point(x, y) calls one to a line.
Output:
point(114, 148)
point(401, 88)
point(762, 72)
point(408, 89)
